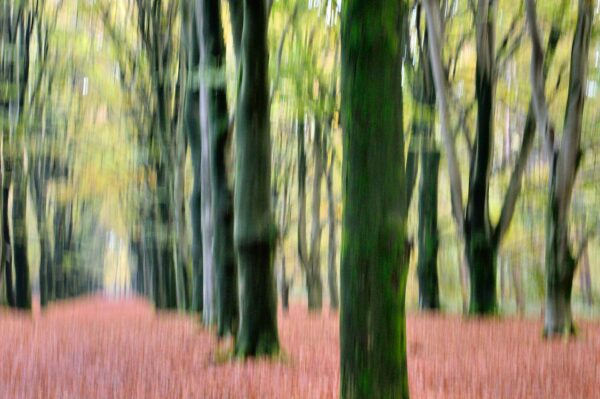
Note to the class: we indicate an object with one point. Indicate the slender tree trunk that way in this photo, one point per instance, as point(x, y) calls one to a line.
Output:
point(334, 301)
point(254, 230)
point(213, 61)
point(284, 286)
point(585, 278)
point(7, 249)
point(374, 262)
point(310, 259)
point(314, 282)
point(209, 293)
point(179, 239)
point(518, 288)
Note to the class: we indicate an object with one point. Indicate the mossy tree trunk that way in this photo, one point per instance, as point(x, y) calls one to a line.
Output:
point(254, 232)
point(374, 262)
point(213, 64)
point(192, 127)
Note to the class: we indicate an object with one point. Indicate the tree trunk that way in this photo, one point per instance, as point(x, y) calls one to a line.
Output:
point(423, 129)
point(254, 229)
point(481, 259)
point(429, 296)
point(310, 257)
point(374, 263)
point(560, 268)
point(332, 255)
point(518, 287)
point(213, 59)
point(585, 278)
point(564, 163)
point(480, 246)
point(236, 15)
point(167, 255)
point(284, 286)
point(21, 261)
point(314, 282)
point(7, 249)
point(192, 127)
point(209, 294)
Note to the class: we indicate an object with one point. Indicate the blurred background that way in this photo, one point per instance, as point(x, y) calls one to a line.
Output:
point(96, 154)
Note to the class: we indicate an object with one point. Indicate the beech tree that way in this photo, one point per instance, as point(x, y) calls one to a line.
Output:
point(374, 258)
point(213, 64)
point(254, 230)
point(564, 159)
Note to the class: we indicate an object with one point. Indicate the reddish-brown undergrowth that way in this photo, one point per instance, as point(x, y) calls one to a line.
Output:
point(94, 348)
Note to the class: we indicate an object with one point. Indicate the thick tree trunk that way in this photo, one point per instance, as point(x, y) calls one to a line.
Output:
point(213, 59)
point(254, 230)
point(374, 263)
point(480, 246)
point(481, 256)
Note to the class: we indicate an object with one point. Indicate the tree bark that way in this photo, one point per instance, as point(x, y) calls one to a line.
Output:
point(480, 247)
point(254, 231)
point(309, 257)
point(21, 260)
point(7, 248)
point(332, 278)
point(374, 260)
point(192, 126)
point(208, 225)
point(429, 296)
point(423, 131)
point(213, 62)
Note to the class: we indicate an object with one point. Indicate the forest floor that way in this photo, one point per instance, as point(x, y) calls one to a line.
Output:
point(95, 348)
